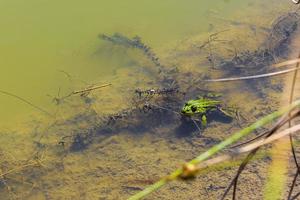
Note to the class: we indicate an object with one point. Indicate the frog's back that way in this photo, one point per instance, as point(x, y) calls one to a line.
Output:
point(205, 102)
point(204, 105)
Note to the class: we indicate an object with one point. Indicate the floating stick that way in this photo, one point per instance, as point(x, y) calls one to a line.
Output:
point(90, 89)
point(82, 92)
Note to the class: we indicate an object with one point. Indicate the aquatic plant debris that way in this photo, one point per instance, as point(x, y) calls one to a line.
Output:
point(142, 108)
point(135, 42)
point(152, 91)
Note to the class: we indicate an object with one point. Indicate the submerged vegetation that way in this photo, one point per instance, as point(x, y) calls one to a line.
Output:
point(135, 42)
point(101, 148)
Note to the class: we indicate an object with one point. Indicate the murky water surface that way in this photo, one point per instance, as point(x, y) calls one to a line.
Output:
point(51, 48)
point(40, 39)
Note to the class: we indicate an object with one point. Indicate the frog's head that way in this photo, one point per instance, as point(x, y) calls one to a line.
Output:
point(189, 108)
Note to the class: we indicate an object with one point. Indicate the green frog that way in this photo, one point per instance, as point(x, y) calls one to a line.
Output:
point(207, 105)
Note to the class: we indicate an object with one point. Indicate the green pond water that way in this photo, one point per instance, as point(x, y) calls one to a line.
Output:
point(39, 39)
point(50, 47)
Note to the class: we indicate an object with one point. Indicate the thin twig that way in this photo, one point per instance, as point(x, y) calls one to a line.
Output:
point(19, 168)
point(288, 62)
point(238, 151)
point(253, 77)
point(296, 196)
point(276, 126)
point(91, 88)
point(271, 139)
point(167, 109)
point(196, 125)
point(213, 37)
point(293, 184)
point(290, 124)
point(27, 102)
point(83, 91)
point(235, 179)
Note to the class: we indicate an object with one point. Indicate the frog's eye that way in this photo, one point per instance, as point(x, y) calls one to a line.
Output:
point(193, 108)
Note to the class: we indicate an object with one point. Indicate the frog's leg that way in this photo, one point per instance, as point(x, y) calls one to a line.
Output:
point(229, 112)
point(213, 95)
point(203, 120)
